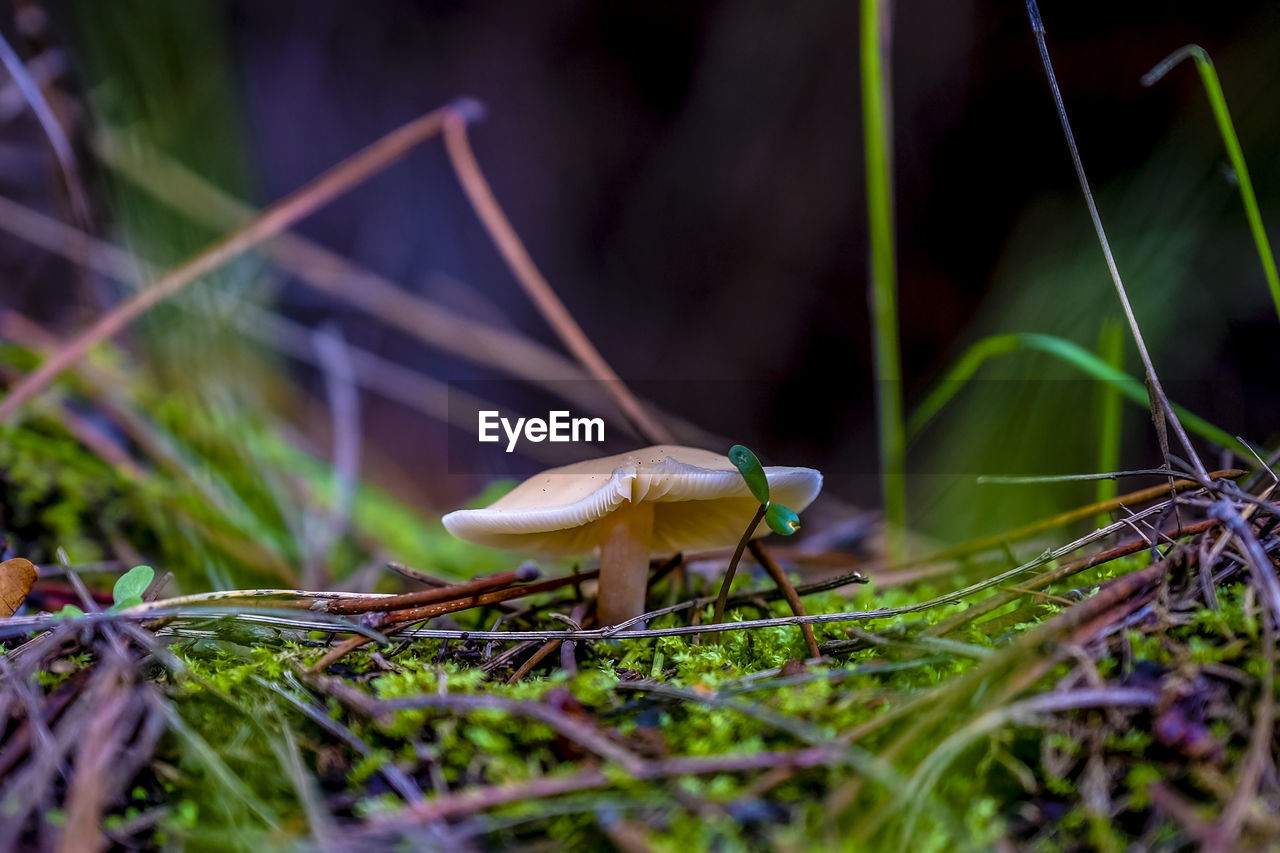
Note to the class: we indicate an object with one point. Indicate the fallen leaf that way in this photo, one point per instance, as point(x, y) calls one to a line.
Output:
point(16, 577)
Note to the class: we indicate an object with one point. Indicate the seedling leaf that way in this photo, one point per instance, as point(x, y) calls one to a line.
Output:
point(781, 519)
point(131, 585)
point(749, 466)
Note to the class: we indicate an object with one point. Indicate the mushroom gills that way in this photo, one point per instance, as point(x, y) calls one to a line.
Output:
point(624, 562)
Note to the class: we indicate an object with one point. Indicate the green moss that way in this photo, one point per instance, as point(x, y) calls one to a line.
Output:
point(229, 790)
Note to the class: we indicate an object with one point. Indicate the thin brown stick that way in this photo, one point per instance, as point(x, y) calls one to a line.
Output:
point(722, 598)
point(981, 608)
point(1161, 407)
point(384, 603)
point(340, 651)
point(382, 376)
point(789, 592)
point(275, 219)
point(1140, 496)
point(534, 659)
point(418, 575)
point(328, 272)
point(586, 735)
point(479, 799)
point(415, 614)
point(513, 251)
point(398, 619)
point(551, 645)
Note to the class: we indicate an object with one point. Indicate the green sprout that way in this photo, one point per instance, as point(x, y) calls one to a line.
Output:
point(130, 586)
point(780, 518)
point(126, 593)
point(1227, 129)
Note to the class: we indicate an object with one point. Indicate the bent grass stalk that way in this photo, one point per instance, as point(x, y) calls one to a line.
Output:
point(1218, 101)
point(1073, 354)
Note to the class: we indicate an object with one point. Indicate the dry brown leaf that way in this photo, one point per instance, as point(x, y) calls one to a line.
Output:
point(16, 578)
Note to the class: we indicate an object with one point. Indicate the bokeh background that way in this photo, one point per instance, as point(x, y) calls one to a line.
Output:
point(689, 177)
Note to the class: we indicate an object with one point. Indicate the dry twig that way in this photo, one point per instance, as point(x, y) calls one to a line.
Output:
point(275, 219)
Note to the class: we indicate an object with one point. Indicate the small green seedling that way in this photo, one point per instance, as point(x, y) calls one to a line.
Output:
point(780, 518)
point(126, 593)
point(130, 587)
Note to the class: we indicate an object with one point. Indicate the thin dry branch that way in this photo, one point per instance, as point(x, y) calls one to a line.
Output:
point(584, 734)
point(374, 373)
point(1162, 409)
point(479, 799)
point(274, 220)
point(788, 591)
point(981, 608)
point(333, 275)
point(536, 286)
point(62, 151)
point(1140, 496)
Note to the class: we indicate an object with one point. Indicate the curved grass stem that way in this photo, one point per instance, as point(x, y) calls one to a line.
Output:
point(1218, 101)
point(1075, 355)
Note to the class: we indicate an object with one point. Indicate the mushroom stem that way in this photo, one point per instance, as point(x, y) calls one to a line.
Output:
point(624, 563)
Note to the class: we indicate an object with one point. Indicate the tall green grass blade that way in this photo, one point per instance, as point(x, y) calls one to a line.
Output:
point(1071, 353)
point(884, 297)
point(1218, 101)
point(1110, 413)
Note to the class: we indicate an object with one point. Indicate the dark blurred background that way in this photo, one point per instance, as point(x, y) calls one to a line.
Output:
point(689, 176)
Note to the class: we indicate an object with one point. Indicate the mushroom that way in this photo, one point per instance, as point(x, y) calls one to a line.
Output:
point(630, 508)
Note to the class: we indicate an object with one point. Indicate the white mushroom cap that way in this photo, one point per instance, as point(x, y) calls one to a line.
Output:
point(699, 499)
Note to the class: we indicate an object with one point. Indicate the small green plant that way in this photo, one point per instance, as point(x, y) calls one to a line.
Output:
point(781, 519)
point(130, 586)
point(126, 593)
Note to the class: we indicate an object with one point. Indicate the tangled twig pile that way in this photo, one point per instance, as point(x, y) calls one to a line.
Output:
point(1119, 669)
